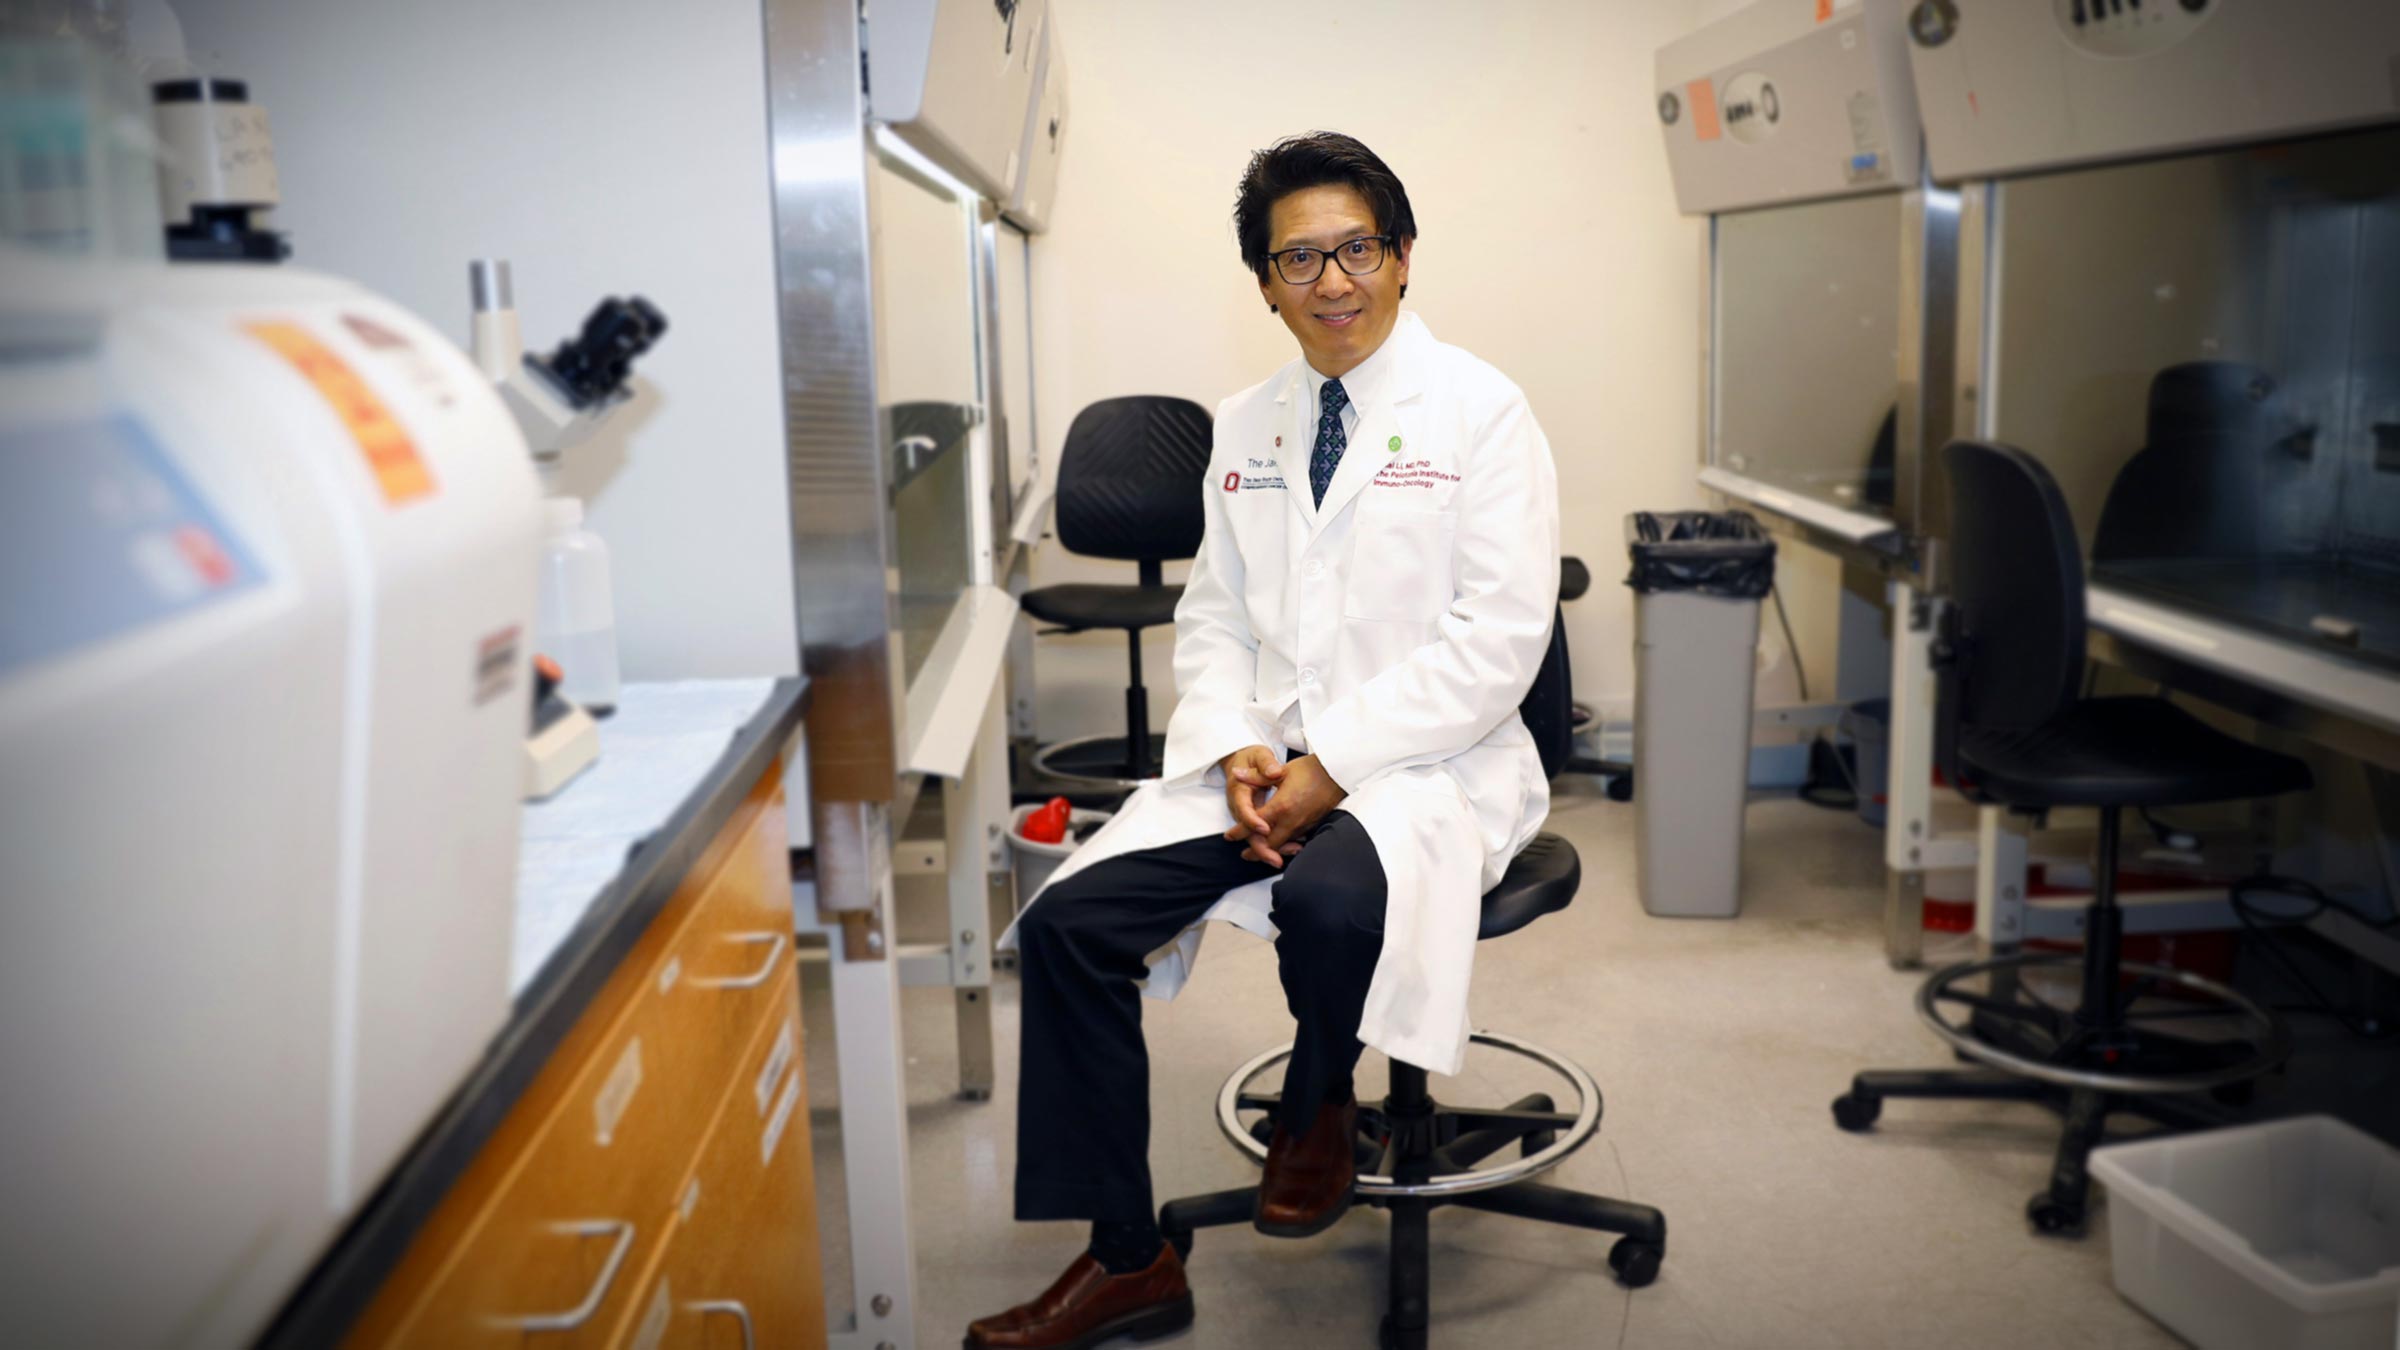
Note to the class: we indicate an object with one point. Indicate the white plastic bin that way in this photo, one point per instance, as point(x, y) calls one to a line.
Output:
point(2282, 1235)
point(1034, 861)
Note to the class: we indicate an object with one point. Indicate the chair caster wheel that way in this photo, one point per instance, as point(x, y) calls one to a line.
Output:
point(1535, 1143)
point(2053, 1217)
point(975, 1094)
point(1392, 1338)
point(1635, 1261)
point(1620, 788)
point(1263, 1129)
point(1855, 1113)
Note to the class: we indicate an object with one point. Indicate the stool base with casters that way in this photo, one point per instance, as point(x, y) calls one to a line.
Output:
point(1417, 1155)
point(2084, 1064)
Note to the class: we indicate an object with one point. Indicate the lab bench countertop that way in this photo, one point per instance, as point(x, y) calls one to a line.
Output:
point(597, 863)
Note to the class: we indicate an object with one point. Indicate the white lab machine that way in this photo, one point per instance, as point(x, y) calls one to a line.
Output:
point(953, 78)
point(2043, 84)
point(269, 578)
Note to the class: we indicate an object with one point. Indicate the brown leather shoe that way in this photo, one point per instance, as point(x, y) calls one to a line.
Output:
point(1089, 1307)
point(1310, 1177)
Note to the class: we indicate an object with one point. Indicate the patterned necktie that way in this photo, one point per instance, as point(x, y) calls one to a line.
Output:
point(1330, 439)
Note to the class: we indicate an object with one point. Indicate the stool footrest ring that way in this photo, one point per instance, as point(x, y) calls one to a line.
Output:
point(1045, 762)
point(2269, 1040)
point(1569, 1137)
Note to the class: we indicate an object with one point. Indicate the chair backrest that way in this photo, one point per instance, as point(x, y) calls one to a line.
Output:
point(1549, 704)
point(2016, 585)
point(1129, 479)
point(2218, 455)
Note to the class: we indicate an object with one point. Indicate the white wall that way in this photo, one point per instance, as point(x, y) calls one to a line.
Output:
point(604, 147)
point(614, 146)
point(1550, 246)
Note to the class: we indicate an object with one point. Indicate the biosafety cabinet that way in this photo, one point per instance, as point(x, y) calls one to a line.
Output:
point(2177, 234)
point(1792, 126)
point(2181, 291)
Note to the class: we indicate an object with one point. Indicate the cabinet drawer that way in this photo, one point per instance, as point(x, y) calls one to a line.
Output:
point(718, 978)
point(741, 1266)
point(582, 1214)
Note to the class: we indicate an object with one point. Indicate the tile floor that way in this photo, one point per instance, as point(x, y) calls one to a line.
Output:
point(1717, 1046)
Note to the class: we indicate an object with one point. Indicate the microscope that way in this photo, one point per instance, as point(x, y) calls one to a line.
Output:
point(558, 401)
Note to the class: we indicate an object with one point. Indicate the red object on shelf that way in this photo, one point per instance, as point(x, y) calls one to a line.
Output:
point(1949, 916)
point(2208, 954)
point(1049, 824)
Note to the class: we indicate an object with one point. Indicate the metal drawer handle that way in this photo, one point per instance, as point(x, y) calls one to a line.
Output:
point(731, 1307)
point(775, 943)
point(581, 1312)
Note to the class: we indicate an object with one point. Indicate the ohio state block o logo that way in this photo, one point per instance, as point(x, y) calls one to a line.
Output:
point(1233, 481)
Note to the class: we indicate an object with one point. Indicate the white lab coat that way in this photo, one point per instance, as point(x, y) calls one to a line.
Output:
point(1406, 616)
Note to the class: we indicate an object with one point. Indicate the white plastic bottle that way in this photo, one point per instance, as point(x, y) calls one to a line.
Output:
point(576, 622)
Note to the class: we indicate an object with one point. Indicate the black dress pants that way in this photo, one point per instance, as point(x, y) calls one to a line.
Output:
point(1083, 1100)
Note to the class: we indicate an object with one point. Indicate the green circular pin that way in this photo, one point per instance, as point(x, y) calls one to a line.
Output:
point(1394, 446)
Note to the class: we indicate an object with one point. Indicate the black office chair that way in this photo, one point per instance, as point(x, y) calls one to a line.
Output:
point(2012, 730)
point(1129, 488)
point(2220, 443)
point(1416, 1155)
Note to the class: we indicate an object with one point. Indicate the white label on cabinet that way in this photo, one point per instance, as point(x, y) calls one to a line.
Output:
point(670, 973)
point(617, 1093)
point(783, 1117)
point(654, 1322)
point(779, 1059)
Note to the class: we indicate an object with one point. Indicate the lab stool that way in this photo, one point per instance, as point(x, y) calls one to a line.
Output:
point(1417, 1155)
point(2014, 730)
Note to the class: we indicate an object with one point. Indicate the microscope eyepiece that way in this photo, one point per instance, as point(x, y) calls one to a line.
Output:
point(591, 367)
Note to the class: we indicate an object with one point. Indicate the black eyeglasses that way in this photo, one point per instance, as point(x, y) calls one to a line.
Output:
point(1358, 257)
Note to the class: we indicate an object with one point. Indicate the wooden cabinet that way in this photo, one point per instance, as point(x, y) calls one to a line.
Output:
point(724, 1279)
point(637, 1170)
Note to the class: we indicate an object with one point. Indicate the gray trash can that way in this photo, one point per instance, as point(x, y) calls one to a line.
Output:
point(1697, 578)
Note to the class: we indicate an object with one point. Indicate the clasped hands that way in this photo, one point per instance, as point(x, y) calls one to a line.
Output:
point(1274, 803)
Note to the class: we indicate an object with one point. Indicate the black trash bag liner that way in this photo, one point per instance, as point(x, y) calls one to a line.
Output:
point(1721, 553)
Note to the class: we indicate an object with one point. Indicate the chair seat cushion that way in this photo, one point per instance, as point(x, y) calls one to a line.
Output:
point(1540, 881)
point(1083, 605)
point(2124, 752)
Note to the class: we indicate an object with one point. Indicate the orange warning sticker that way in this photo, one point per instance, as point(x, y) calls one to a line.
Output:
point(399, 471)
point(1703, 99)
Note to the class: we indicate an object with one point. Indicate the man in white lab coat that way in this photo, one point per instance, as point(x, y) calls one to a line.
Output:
point(1346, 772)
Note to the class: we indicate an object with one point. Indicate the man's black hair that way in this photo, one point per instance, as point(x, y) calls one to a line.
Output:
point(1318, 159)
